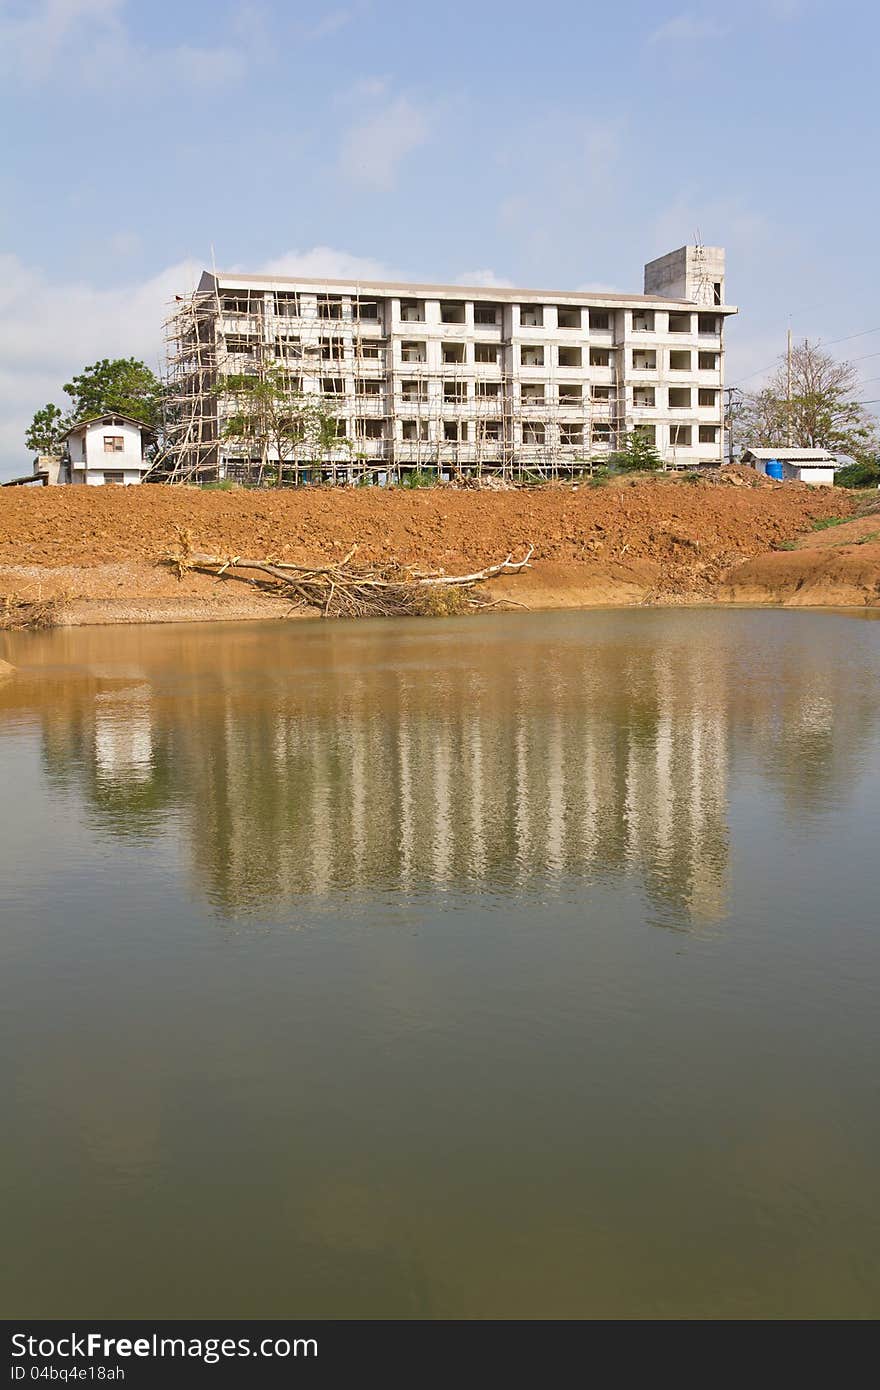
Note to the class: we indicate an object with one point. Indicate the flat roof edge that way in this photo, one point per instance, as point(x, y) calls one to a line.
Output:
point(491, 293)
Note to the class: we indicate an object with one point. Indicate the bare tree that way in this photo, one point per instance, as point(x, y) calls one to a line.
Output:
point(824, 411)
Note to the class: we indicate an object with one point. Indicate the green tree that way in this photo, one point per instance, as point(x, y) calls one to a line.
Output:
point(123, 384)
point(638, 454)
point(279, 424)
point(863, 474)
point(824, 411)
point(46, 430)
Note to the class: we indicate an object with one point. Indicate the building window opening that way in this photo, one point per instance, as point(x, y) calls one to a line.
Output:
point(412, 311)
point(454, 392)
point(414, 431)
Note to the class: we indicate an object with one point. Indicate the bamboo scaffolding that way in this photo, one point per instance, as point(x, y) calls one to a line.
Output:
point(338, 347)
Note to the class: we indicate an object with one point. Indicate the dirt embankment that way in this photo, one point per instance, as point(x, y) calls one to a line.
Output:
point(664, 540)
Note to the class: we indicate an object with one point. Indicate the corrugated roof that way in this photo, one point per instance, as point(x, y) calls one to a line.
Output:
point(491, 293)
point(792, 455)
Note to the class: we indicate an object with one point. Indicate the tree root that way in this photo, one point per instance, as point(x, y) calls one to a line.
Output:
point(21, 614)
point(339, 589)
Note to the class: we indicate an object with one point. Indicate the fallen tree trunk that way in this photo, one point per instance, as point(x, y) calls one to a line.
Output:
point(338, 589)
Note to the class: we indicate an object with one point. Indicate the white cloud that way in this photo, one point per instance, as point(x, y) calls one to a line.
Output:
point(364, 89)
point(56, 31)
point(206, 66)
point(330, 23)
point(688, 28)
point(124, 244)
point(31, 46)
point(373, 151)
point(48, 332)
point(335, 265)
point(484, 279)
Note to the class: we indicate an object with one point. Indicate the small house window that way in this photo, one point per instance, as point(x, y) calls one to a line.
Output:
point(114, 444)
point(114, 477)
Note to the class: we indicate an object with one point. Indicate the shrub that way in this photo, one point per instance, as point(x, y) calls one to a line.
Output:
point(638, 455)
point(865, 474)
point(418, 477)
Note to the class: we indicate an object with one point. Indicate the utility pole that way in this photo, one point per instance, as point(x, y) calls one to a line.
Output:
point(788, 410)
point(734, 400)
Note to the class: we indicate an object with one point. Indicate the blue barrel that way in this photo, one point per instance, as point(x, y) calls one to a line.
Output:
point(773, 469)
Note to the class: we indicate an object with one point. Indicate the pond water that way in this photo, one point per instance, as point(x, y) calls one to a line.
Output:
point(522, 965)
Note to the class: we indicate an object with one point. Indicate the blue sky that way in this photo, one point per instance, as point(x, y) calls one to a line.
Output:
point(552, 146)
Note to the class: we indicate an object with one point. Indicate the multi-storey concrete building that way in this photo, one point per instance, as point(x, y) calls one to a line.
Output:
point(455, 379)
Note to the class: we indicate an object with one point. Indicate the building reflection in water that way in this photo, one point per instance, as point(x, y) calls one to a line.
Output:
point(388, 761)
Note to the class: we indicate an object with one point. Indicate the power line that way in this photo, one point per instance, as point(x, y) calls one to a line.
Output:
point(864, 334)
point(775, 363)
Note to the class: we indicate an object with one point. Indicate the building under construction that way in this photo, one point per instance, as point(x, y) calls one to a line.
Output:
point(443, 379)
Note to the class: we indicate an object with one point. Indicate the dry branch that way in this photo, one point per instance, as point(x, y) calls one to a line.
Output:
point(21, 614)
point(339, 590)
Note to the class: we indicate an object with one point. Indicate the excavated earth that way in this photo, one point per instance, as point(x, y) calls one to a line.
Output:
point(731, 537)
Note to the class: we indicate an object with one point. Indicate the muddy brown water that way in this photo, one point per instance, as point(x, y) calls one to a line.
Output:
point(518, 966)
